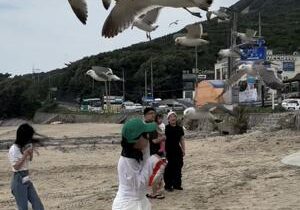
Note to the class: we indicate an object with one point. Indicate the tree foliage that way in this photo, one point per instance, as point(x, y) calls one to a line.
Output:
point(21, 95)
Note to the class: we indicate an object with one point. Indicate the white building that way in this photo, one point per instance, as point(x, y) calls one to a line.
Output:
point(288, 64)
point(221, 68)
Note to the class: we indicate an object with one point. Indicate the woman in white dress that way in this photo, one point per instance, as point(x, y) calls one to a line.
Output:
point(134, 169)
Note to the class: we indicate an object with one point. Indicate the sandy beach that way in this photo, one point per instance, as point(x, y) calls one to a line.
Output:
point(220, 173)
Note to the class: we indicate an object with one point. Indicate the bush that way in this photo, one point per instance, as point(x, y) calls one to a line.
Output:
point(240, 120)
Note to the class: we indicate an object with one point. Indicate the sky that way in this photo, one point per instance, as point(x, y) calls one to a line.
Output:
point(40, 36)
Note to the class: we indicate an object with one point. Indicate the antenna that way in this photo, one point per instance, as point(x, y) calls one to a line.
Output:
point(123, 84)
point(259, 24)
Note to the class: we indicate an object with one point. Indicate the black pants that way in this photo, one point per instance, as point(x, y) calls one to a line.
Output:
point(172, 175)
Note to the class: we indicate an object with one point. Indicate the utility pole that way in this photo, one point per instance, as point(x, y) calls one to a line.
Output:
point(145, 83)
point(232, 42)
point(259, 24)
point(152, 93)
point(231, 59)
point(196, 58)
point(123, 73)
point(261, 85)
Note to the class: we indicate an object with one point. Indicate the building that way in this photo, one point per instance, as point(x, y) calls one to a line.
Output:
point(288, 64)
point(190, 79)
point(221, 69)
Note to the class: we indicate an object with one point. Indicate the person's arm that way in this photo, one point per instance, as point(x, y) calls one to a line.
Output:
point(159, 139)
point(182, 144)
point(27, 153)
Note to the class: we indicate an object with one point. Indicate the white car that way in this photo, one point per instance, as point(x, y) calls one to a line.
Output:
point(138, 107)
point(128, 106)
point(291, 104)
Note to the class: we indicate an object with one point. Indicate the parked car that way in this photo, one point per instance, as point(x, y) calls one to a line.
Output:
point(128, 106)
point(175, 107)
point(291, 104)
point(138, 107)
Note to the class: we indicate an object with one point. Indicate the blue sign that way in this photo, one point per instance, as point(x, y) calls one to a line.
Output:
point(288, 66)
point(148, 99)
point(251, 80)
point(256, 51)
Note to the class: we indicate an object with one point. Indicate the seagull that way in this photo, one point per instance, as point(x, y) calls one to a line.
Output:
point(226, 53)
point(79, 7)
point(125, 11)
point(95, 76)
point(175, 23)
point(145, 22)
point(193, 37)
point(221, 14)
point(247, 37)
point(192, 113)
point(269, 75)
point(236, 51)
point(102, 74)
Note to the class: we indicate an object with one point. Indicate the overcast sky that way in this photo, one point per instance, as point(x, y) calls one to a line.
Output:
point(44, 35)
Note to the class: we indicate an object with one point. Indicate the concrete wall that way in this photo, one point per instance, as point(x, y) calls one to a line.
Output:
point(256, 120)
point(47, 118)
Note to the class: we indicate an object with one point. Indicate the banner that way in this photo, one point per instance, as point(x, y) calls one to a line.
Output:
point(249, 95)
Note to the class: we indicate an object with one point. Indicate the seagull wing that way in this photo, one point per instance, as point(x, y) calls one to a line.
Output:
point(123, 14)
point(270, 78)
point(79, 7)
point(194, 31)
point(232, 81)
point(235, 78)
point(151, 16)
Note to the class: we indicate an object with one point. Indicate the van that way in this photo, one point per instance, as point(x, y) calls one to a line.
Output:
point(291, 104)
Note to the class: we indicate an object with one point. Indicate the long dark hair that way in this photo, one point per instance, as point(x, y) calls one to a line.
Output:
point(158, 115)
point(25, 134)
point(129, 151)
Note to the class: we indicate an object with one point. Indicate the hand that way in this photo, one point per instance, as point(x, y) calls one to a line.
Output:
point(28, 152)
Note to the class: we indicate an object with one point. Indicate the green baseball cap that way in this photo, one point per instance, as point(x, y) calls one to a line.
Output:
point(133, 128)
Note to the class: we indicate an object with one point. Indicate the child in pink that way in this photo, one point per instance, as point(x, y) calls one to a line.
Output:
point(161, 132)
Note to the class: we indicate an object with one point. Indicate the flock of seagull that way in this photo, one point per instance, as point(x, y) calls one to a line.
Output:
point(144, 13)
point(141, 14)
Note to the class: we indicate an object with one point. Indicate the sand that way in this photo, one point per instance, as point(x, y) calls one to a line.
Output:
point(229, 172)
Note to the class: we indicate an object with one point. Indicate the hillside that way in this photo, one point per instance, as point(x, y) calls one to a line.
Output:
point(280, 27)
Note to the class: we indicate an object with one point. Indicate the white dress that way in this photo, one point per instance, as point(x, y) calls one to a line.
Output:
point(133, 183)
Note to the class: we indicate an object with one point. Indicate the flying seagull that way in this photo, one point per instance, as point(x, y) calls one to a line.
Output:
point(193, 37)
point(269, 75)
point(236, 51)
point(222, 14)
point(79, 7)
point(193, 113)
point(226, 53)
point(125, 11)
point(174, 23)
point(102, 74)
point(145, 22)
point(247, 37)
